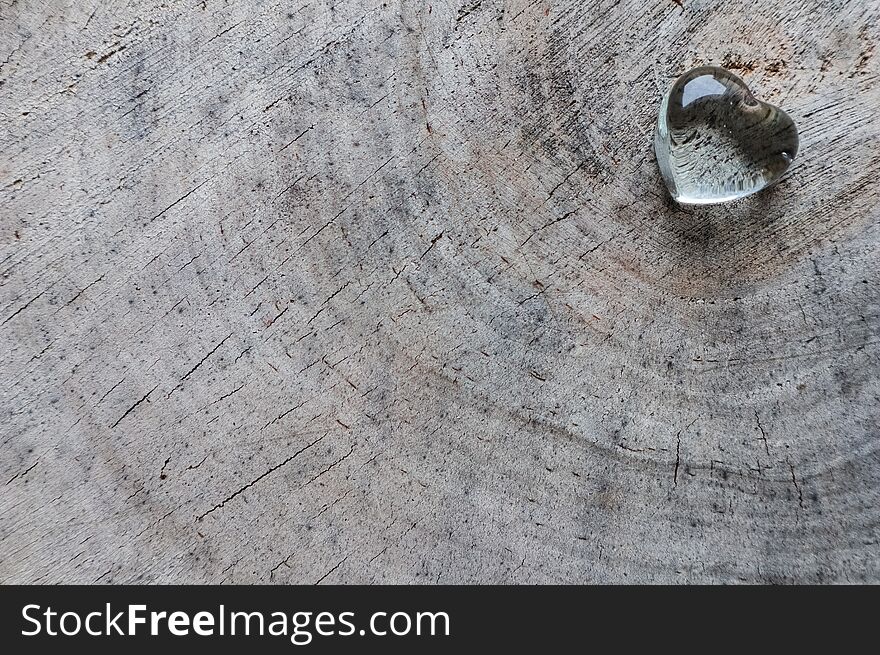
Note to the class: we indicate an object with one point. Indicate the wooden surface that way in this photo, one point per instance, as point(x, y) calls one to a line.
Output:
point(392, 292)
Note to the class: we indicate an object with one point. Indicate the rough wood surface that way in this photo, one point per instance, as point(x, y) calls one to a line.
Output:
point(365, 291)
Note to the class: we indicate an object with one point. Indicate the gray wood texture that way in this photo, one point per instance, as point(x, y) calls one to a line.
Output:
point(362, 291)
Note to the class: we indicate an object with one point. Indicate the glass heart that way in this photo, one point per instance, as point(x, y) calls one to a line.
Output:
point(715, 142)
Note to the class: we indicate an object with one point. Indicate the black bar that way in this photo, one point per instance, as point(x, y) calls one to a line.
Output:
point(514, 618)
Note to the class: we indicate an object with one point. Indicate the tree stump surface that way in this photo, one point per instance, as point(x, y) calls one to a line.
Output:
point(392, 292)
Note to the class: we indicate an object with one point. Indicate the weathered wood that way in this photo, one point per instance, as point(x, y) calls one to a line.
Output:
point(392, 292)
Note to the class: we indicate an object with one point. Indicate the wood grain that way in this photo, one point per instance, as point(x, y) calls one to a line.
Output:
point(392, 292)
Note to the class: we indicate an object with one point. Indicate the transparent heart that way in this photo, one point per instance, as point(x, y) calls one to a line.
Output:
point(715, 142)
